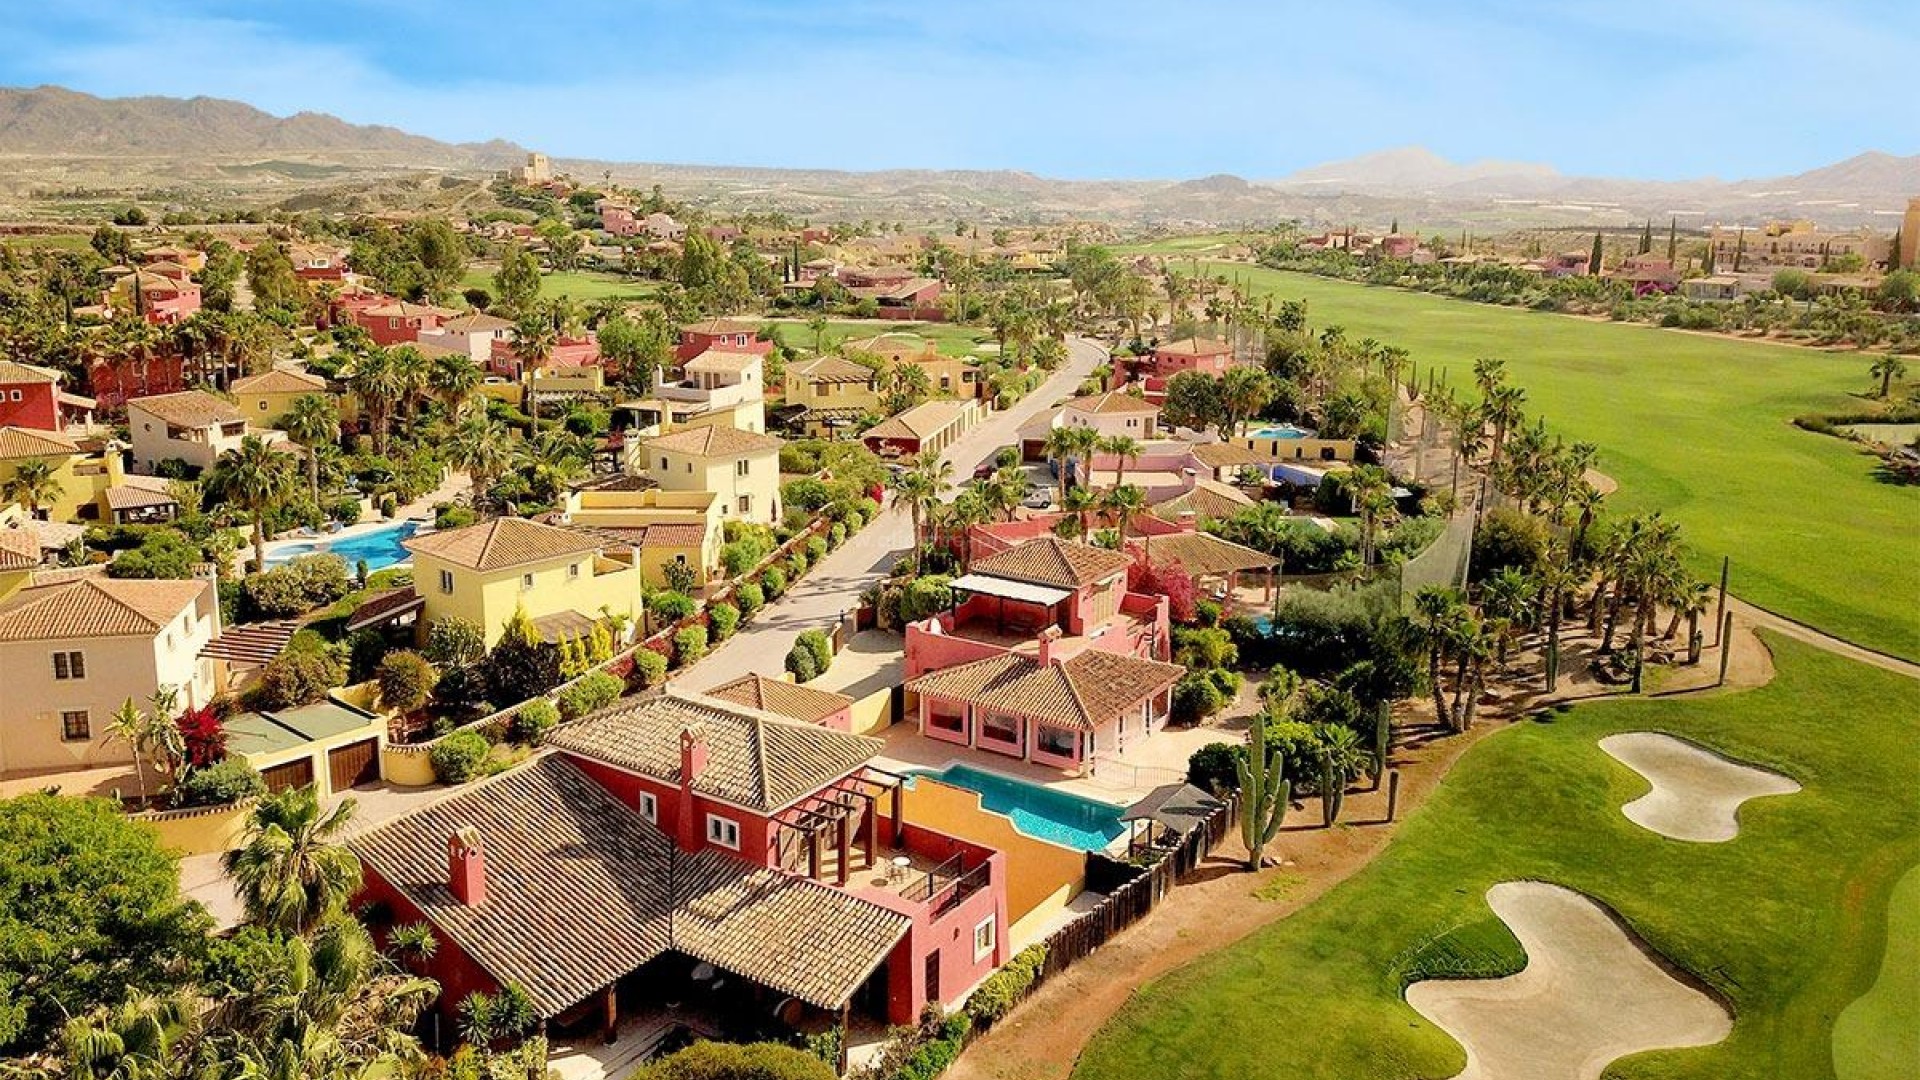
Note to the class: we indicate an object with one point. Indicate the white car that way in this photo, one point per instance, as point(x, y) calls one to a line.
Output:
point(1038, 498)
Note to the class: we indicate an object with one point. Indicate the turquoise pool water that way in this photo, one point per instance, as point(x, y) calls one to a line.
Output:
point(1279, 431)
point(380, 548)
point(1040, 812)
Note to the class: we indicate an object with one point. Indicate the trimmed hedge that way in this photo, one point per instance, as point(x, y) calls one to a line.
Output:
point(722, 620)
point(689, 645)
point(592, 691)
point(532, 723)
point(1004, 988)
point(459, 757)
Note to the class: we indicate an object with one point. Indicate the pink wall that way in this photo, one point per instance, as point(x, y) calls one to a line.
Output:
point(951, 935)
point(757, 833)
point(1167, 364)
point(458, 974)
point(35, 409)
point(931, 651)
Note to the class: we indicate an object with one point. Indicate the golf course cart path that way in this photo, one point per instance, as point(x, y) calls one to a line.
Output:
point(1696, 793)
point(1588, 996)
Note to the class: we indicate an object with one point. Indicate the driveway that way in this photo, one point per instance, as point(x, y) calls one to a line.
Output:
point(833, 588)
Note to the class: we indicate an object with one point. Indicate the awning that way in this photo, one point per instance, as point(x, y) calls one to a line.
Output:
point(385, 607)
point(1009, 590)
point(1179, 807)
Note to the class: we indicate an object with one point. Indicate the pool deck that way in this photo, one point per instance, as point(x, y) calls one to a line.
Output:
point(281, 550)
point(1120, 780)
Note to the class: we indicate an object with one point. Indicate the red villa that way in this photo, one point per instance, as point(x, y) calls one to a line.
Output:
point(680, 833)
point(30, 397)
point(1191, 354)
point(726, 335)
point(399, 322)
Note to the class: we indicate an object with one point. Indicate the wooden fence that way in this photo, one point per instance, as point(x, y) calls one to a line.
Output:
point(1135, 898)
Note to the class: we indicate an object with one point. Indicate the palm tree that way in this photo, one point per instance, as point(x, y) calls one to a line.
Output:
point(1501, 409)
point(1371, 490)
point(1062, 445)
point(1887, 369)
point(1080, 502)
point(534, 338)
point(133, 1040)
point(254, 477)
point(33, 485)
point(452, 377)
point(312, 421)
point(1125, 449)
point(290, 870)
point(817, 326)
point(921, 485)
point(1437, 612)
point(968, 508)
point(1085, 443)
point(1508, 598)
point(414, 374)
point(1121, 502)
point(1244, 391)
point(378, 383)
point(479, 445)
point(135, 728)
point(551, 460)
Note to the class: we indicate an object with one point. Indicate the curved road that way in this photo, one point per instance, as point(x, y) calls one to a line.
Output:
point(833, 588)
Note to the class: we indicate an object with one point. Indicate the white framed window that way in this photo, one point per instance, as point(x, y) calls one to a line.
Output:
point(650, 807)
point(723, 831)
point(526, 582)
point(69, 665)
point(13, 395)
point(75, 725)
point(446, 581)
point(983, 939)
point(263, 406)
point(746, 504)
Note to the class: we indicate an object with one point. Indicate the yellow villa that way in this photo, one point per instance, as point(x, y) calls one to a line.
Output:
point(828, 394)
point(741, 467)
point(264, 398)
point(659, 528)
point(83, 477)
point(562, 578)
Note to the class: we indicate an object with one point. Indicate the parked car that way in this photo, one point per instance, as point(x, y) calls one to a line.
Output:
point(1038, 498)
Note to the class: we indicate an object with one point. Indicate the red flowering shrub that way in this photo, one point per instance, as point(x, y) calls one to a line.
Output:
point(204, 733)
point(1168, 579)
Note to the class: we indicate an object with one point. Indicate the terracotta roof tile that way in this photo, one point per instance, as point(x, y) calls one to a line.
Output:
point(280, 381)
point(188, 408)
point(1049, 560)
point(501, 543)
point(1082, 692)
point(713, 327)
point(723, 360)
point(95, 607)
point(1111, 403)
point(25, 443)
point(14, 372)
point(1194, 347)
point(755, 759)
point(831, 369)
point(921, 421)
point(19, 549)
point(802, 703)
point(714, 441)
point(1202, 553)
point(1208, 499)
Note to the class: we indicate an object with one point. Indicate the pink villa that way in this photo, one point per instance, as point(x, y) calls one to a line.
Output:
point(1190, 354)
point(30, 397)
point(725, 335)
point(680, 848)
point(399, 322)
point(1045, 656)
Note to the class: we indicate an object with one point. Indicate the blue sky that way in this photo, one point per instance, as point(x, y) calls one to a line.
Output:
point(1114, 88)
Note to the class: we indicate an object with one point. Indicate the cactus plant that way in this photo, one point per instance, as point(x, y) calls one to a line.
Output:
point(1264, 793)
point(1333, 791)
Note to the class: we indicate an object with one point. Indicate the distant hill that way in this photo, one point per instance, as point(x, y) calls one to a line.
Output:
point(1865, 175)
point(53, 121)
point(1414, 168)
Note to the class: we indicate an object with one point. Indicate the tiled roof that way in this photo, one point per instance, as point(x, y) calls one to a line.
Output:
point(25, 443)
point(1219, 455)
point(921, 421)
point(1082, 692)
point(1049, 560)
point(19, 549)
point(95, 607)
point(714, 441)
point(791, 700)
point(1111, 403)
point(831, 369)
point(501, 543)
point(1203, 553)
point(405, 310)
point(130, 497)
point(722, 360)
point(1194, 347)
point(475, 323)
point(712, 327)
point(14, 372)
point(188, 408)
point(754, 759)
point(280, 381)
point(1208, 499)
point(581, 890)
point(255, 643)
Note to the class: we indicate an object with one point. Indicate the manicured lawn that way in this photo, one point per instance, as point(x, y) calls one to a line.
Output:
point(1878, 1037)
point(1694, 425)
point(1787, 923)
point(951, 340)
point(581, 285)
point(1199, 245)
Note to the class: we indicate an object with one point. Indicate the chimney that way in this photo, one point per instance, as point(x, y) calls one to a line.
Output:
point(467, 867)
point(1047, 638)
point(1188, 478)
point(693, 762)
point(1189, 521)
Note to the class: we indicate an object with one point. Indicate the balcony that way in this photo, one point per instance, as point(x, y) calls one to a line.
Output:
point(713, 397)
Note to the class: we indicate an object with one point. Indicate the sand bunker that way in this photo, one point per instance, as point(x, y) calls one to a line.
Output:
point(1587, 996)
point(1696, 793)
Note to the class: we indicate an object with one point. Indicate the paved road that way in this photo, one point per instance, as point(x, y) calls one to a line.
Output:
point(833, 588)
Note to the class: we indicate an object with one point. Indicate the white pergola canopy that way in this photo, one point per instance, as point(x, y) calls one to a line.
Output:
point(1009, 590)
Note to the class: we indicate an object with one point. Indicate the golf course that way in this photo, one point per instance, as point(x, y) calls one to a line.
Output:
point(1783, 925)
point(1695, 425)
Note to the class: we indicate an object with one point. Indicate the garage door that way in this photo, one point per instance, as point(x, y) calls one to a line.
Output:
point(354, 764)
point(294, 774)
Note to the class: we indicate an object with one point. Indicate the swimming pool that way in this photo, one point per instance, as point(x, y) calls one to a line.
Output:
point(1279, 431)
point(379, 548)
point(1040, 812)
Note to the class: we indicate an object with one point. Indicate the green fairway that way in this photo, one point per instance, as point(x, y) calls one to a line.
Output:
point(950, 339)
point(1786, 923)
point(1694, 425)
point(1878, 1037)
point(581, 285)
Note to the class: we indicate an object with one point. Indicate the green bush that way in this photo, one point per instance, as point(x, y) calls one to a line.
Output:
point(532, 723)
point(750, 597)
point(1206, 612)
point(307, 582)
point(223, 782)
point(1195, 697)
point(298, 676)
point(801, 664)
point(406, 680)
point(459, 757)
point(1225, 681)
point(816, 548)
point(455, 642)
point(925, 596)
point(773, 582)
point(649, 668)
point(1215, 767)
point(670, 607)
point(595, 690)
point(806, 494)
point(689, 645)
point(1004, 988)
point(817, 642)
point(738, 1061)
point(722, 620)
point(450, 516)
point(836, 534)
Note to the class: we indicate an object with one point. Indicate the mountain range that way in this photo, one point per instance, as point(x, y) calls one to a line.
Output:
point(54, 141)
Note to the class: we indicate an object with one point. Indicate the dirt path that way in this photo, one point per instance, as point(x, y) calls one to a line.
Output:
point(1222, 903)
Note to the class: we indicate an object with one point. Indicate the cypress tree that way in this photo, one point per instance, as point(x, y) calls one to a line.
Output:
point(1646, 237)
point(1593, 262)
point(1739, 249)
point(1395, 227)
point(1893, 253)
point(1673, 239)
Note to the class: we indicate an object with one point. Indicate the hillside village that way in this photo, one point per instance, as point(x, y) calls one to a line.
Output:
point(740, 630)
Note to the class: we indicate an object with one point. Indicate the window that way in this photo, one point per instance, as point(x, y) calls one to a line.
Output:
point(75, 725)
point(1059, 743)
point(983, 936)
point(723, 831)
point(739, 339)
point(746, 504)
point(650, 807)
point(573, 571)
point(689, 466)
point(393, 323)
point(526, 582)
point(663, 461)
point(1000, 727)
point(941, 720)
point(820, 389)
point(740, 468)
point(263, 405)
point(69, 665)
point(446, 581)
point(13, 395)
